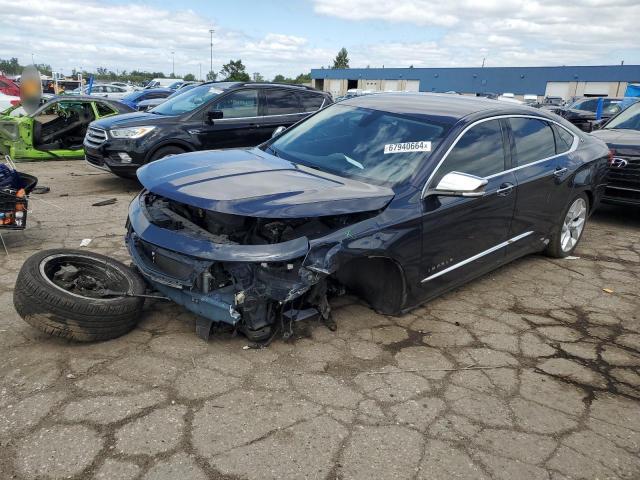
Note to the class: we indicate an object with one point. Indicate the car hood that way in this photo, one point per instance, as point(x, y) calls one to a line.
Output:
point(624, 141)
point(132, 119)
point(254, 183)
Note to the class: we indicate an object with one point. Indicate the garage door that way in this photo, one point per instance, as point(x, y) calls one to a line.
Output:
point(391, 85)
point(557, 89)
point(597, 88)
point(412, 86)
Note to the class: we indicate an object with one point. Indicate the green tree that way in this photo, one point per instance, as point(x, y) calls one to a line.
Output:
point(212, 76)
point(279, 79)
point(257, 77)
point(342, 59)
point(235, 71)
point(189, 77)
point(11, 66)
point(303, 78)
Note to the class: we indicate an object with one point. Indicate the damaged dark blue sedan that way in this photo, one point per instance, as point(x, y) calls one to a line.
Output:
point(395, 197)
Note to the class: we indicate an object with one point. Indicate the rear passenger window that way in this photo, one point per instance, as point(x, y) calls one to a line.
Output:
point(479, 152)
point(564, 139)
point(282, 102)
point(534, 140)
point(311, 101)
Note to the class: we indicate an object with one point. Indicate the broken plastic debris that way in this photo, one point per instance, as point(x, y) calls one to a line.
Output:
point(571, 258)
point(85, 242)
point(607, 290)
point(246, 347)
point(111, 201)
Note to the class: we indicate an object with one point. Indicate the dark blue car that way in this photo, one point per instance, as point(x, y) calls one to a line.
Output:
point(138, 96)
point(395, 197)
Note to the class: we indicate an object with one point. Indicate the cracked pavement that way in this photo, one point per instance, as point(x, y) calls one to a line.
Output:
point(530, 372)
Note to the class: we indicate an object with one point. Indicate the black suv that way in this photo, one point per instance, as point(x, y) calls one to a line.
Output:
point(211, 116)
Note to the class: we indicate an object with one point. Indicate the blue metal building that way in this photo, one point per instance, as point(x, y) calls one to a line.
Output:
point(562, 81)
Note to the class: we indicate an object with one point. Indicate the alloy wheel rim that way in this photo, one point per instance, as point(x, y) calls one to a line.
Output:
point(88, 277)
point(573, 225)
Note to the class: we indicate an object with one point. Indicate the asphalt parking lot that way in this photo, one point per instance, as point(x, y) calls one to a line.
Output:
point(532, 372)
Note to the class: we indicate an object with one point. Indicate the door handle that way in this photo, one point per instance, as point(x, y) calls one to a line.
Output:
point(253, 125)
point(559, 172)
point(505, 189)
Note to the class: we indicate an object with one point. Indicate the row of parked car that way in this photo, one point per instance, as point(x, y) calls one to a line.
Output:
point(114, 137)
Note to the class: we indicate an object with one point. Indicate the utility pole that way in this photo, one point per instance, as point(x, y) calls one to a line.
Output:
point(211, 65)
point(173, 63)
point(483, 60)
point(200, 77)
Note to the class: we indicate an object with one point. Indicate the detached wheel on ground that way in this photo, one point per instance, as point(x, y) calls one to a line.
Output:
point(165, 152)
point(567, 235)
point(78, 295)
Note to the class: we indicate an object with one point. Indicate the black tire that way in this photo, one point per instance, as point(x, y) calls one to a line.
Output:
point(555, 249)
point(56, 311)
point(166, 151)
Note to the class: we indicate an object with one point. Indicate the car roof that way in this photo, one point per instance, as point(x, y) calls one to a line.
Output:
point(153, 90)
point(294, 86)
point(439, 105)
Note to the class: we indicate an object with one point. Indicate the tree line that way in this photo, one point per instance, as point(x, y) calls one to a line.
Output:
point(234, 70)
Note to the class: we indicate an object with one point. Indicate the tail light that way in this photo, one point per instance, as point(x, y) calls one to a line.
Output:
point(612, 154)
point(14, 103)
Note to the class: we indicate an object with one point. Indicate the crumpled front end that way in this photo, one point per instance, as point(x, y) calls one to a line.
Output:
point(248, 272)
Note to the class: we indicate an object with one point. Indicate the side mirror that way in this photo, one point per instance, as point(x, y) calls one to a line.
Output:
point(214, 115)
point(278, 131)
point(457, 184)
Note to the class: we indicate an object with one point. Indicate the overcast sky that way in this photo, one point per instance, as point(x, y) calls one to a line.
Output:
point(290, 37)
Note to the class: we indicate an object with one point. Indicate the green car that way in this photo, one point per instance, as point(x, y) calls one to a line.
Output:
point(55, 130)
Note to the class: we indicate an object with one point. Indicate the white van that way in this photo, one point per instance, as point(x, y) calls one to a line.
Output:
point(162, 82)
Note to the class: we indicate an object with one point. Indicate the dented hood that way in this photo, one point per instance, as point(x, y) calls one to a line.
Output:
point(255, 183)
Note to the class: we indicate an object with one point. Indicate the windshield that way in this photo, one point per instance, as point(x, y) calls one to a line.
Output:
point(628, 119)
point(186, 88)
point(189, 100)
point(357, 142)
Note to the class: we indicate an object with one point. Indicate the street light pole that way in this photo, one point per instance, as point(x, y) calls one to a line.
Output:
point(173, 63)
point(211, 64)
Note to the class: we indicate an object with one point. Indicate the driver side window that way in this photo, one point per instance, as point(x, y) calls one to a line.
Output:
point(243, 103)
point(479, 152)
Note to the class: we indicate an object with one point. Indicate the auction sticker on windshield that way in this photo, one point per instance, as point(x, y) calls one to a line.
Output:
point(407, 147)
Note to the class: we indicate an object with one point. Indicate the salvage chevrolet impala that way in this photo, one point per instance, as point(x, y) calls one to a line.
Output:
point(394, 197)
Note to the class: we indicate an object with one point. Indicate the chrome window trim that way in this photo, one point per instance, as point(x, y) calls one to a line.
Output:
point(574, 146)
point(262, 116)
point(477, 256)
point(624, 188)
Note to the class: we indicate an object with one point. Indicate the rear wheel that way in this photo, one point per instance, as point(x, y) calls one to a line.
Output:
point(567, 235)
point(79, 295)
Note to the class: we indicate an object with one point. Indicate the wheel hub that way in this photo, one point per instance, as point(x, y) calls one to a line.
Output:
point(573, 224)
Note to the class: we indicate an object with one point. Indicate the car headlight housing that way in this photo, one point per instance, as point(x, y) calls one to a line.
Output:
point(130, 132)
